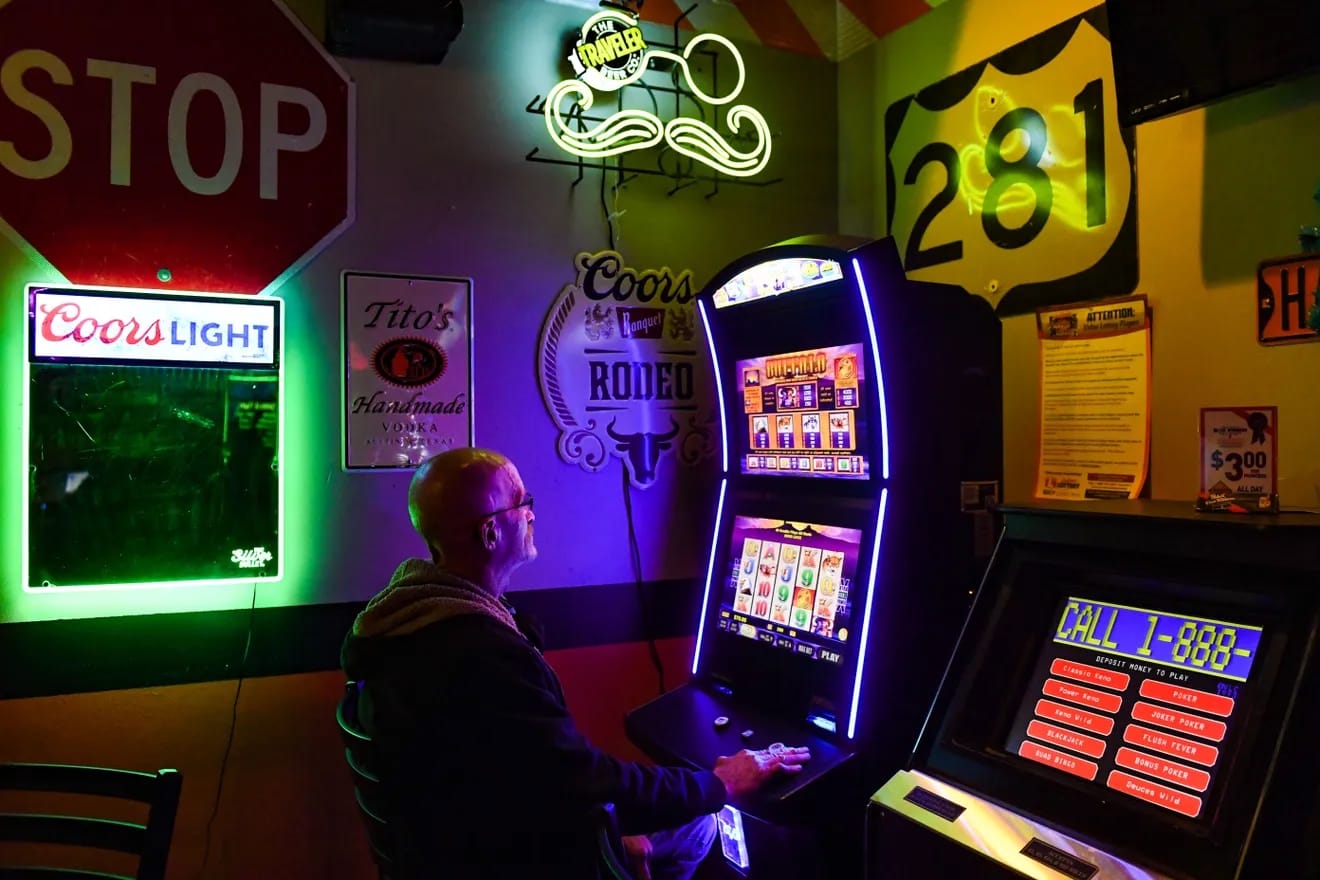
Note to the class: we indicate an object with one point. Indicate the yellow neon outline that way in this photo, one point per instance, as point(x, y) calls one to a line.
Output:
point(645, 129)
point(687, 74)
point(630, 130)
point(684, 131)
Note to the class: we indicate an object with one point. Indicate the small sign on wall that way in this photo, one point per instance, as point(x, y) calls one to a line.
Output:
point(1239, 459)
point(407, 368)
point(622, 369)
point(1287, 291)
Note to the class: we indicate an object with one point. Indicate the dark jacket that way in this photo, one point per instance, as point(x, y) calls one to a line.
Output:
point(485, 770)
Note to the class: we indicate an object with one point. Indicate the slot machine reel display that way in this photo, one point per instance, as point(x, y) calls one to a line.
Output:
point(854, 406)
point(1134, 696)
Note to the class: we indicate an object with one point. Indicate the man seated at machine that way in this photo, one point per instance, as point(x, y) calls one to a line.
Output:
point(485, 771)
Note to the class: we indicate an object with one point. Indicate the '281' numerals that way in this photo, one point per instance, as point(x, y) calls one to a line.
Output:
point(1089, 102)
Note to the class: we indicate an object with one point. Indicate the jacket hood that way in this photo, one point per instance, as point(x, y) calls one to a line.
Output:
point(419, 594)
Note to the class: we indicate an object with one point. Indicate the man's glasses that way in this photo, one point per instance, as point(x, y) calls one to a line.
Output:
point(526, 502)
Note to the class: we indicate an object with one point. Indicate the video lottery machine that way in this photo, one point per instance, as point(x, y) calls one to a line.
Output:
point(1134, 696)
point(861, 448)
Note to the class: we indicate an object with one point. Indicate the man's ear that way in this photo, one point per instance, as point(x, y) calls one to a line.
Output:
point(489, 534)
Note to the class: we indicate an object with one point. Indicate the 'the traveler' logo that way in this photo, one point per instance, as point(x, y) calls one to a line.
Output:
point(610, 53)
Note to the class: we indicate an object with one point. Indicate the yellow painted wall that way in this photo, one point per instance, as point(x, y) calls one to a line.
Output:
point(1218, 189)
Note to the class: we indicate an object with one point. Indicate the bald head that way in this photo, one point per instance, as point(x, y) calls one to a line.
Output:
point(450, 491)
point(474, 513)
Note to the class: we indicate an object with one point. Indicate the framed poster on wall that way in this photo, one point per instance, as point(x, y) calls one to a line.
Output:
point(407, 380)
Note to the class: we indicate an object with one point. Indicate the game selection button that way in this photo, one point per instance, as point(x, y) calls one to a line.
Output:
point(1187, 777)
point(1058, 760)
point(1084, 696)
point(1154, 793)
point(1183, 722)
point(1215, 704)
point(1088, 721)
point(1175, 747)
point(1075, 742)
point(1108, 678)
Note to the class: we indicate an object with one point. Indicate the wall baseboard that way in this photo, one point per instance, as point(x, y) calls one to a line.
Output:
point(46, 658)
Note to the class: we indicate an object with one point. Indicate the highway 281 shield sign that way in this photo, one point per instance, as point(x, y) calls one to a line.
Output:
point(1013, 178)
point(622, 370)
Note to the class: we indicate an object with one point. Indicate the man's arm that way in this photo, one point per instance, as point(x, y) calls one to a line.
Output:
point(521, 704)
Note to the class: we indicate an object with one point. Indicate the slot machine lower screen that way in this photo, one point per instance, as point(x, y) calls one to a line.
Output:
point(804, 413)
point(1144, 702)
point(791, 586)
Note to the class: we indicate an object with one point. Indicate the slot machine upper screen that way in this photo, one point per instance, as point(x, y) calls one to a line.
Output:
point(804, 414)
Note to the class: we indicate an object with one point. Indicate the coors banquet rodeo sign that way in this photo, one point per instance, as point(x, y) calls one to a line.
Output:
point(620, 369)
point(1013, 179)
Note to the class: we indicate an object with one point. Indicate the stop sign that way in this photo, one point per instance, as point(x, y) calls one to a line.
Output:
point(193, 144)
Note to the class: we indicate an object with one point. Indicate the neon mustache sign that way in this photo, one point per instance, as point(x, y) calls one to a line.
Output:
point(610, 54)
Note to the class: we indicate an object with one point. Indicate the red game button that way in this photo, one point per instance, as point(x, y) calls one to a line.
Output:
point(1068, 739)
point(1154, 793)
point(1215, 704)
point(1057, 760)
point(1085, 696)
point(1183, 722)
point(1187, 777)
point(1088, 721)
point(1090, 674)
point(1197, 753)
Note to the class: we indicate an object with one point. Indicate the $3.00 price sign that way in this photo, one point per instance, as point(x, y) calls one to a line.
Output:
point(1013, 178)
point(1239, 448)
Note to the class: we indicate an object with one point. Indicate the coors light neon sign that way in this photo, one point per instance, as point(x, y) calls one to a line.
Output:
point(72, 324)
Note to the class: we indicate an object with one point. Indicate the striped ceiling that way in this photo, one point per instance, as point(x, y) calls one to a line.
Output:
point(834, 29)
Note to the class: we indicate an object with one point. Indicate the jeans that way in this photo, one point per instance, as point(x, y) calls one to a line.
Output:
point(676, 852)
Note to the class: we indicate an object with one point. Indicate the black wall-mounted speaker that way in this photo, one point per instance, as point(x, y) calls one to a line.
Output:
point(414, 31)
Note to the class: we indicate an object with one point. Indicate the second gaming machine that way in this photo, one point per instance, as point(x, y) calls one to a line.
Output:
point(861, 458)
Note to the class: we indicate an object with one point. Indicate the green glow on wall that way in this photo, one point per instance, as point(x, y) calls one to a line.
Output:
point(182, 489)
point(307, 510)
point(303, 393)
point(109, 605)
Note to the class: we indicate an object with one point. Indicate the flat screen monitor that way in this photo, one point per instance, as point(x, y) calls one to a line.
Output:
point(1145, 702)
point(792, 587)
point(1172, 55)
point(804, 414)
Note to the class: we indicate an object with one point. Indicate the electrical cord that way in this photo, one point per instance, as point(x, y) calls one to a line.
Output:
point(610, 216)
point(635, 556)
point(233, 726)
point(634, 550)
